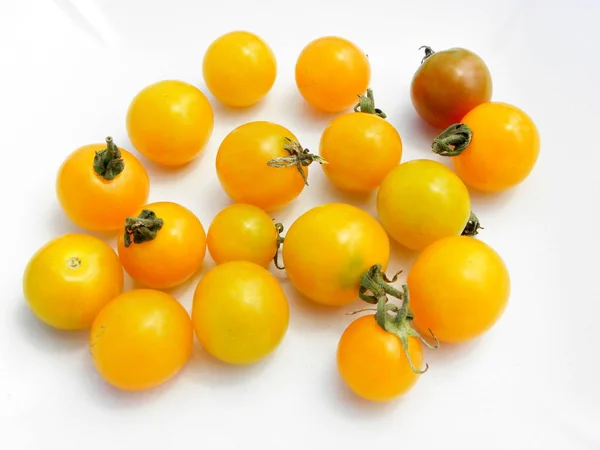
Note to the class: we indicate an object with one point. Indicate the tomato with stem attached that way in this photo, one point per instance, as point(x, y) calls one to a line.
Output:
point(243, 232)
point(163, 245)
point(141, 339)
point(421, 201)
point(263, 164)
point(493, 148)
point(98, 185)
point(330, 72)
point(449, 84)
point(240, 313)
point(327, 250)
point(69, 279)
point(459, 288)
point(379, 356)
point(170, 122)
point(239, 68)
point(360, 148)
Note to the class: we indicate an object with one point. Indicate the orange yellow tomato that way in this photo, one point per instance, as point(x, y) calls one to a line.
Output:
point(170, 122)
point(331, 72)
point(459, 288)
point(69, 279)
point(98, 185)
point(243, 232)
point(240, 313)
point(360, 148)
point(239, 68)
point(163, 245)
point(328, 249)
point(141, 339)
point(248, 170)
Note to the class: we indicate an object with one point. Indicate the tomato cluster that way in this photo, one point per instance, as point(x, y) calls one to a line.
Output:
point(333, 254)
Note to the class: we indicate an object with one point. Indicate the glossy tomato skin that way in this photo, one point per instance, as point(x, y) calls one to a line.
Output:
point(171, 258)
point(421, 201)
point(459, 288)
point(372, 362)
point(141, 339)
point(69, 279)
point(331, 72)
point(329, 248)
point(240, 313)
point(242, 166)
point(170, 122)
point(239, 68)
point(242, 232)
point(504, 148)
point(360, 149)
point(94, 203)
point(448, 85)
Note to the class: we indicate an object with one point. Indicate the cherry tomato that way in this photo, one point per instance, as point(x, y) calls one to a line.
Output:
point(170, 122)
point(141, 339)
point(328, 249)
point(360, 148)
point(240, 313)
point(239, 68)
point(243, 232)
point(371, 361)
point(98, 185)
point(459, 288)
point(330, 72)
point(163, 245)
point(497, 147)
point(421, 201)
point(68, 280)
point(262, 164)
point(448, 85)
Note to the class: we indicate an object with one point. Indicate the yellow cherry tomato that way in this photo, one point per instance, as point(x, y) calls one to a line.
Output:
point(499, 147)
point(372, 362)
point(459, 288)
point(163, 245)
point(243, 232)
point(421, 201)
point(329, 248)
point(239, 68)
point(240, 313)
point(68, 280)
point(170, 122)
point(141, 339)
point(331, 72)
point(98, 185)
point(360, 148)
point(248, 167)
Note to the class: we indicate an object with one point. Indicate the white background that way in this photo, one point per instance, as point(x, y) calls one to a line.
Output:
point(68, 70)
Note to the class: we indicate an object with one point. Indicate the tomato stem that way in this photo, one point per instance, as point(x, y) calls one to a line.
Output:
point(453, 140)
point(390, 317)
point(366, 104)
point(142, 228)
point(473, 226)
point(280, 239)
point(108, 163)
point(299, 157)
point(428, 52)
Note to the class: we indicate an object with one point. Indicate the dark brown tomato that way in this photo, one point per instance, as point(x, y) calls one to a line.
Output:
point(448, 85)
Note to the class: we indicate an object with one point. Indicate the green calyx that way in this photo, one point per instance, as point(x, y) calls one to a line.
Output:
point(473, 226)
point(280, 239)
point(366, 104)
point(428, 52)
point(374, 288)
point(453, 140)
point(142, 228)
point(108, 163)
point(298, 156)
